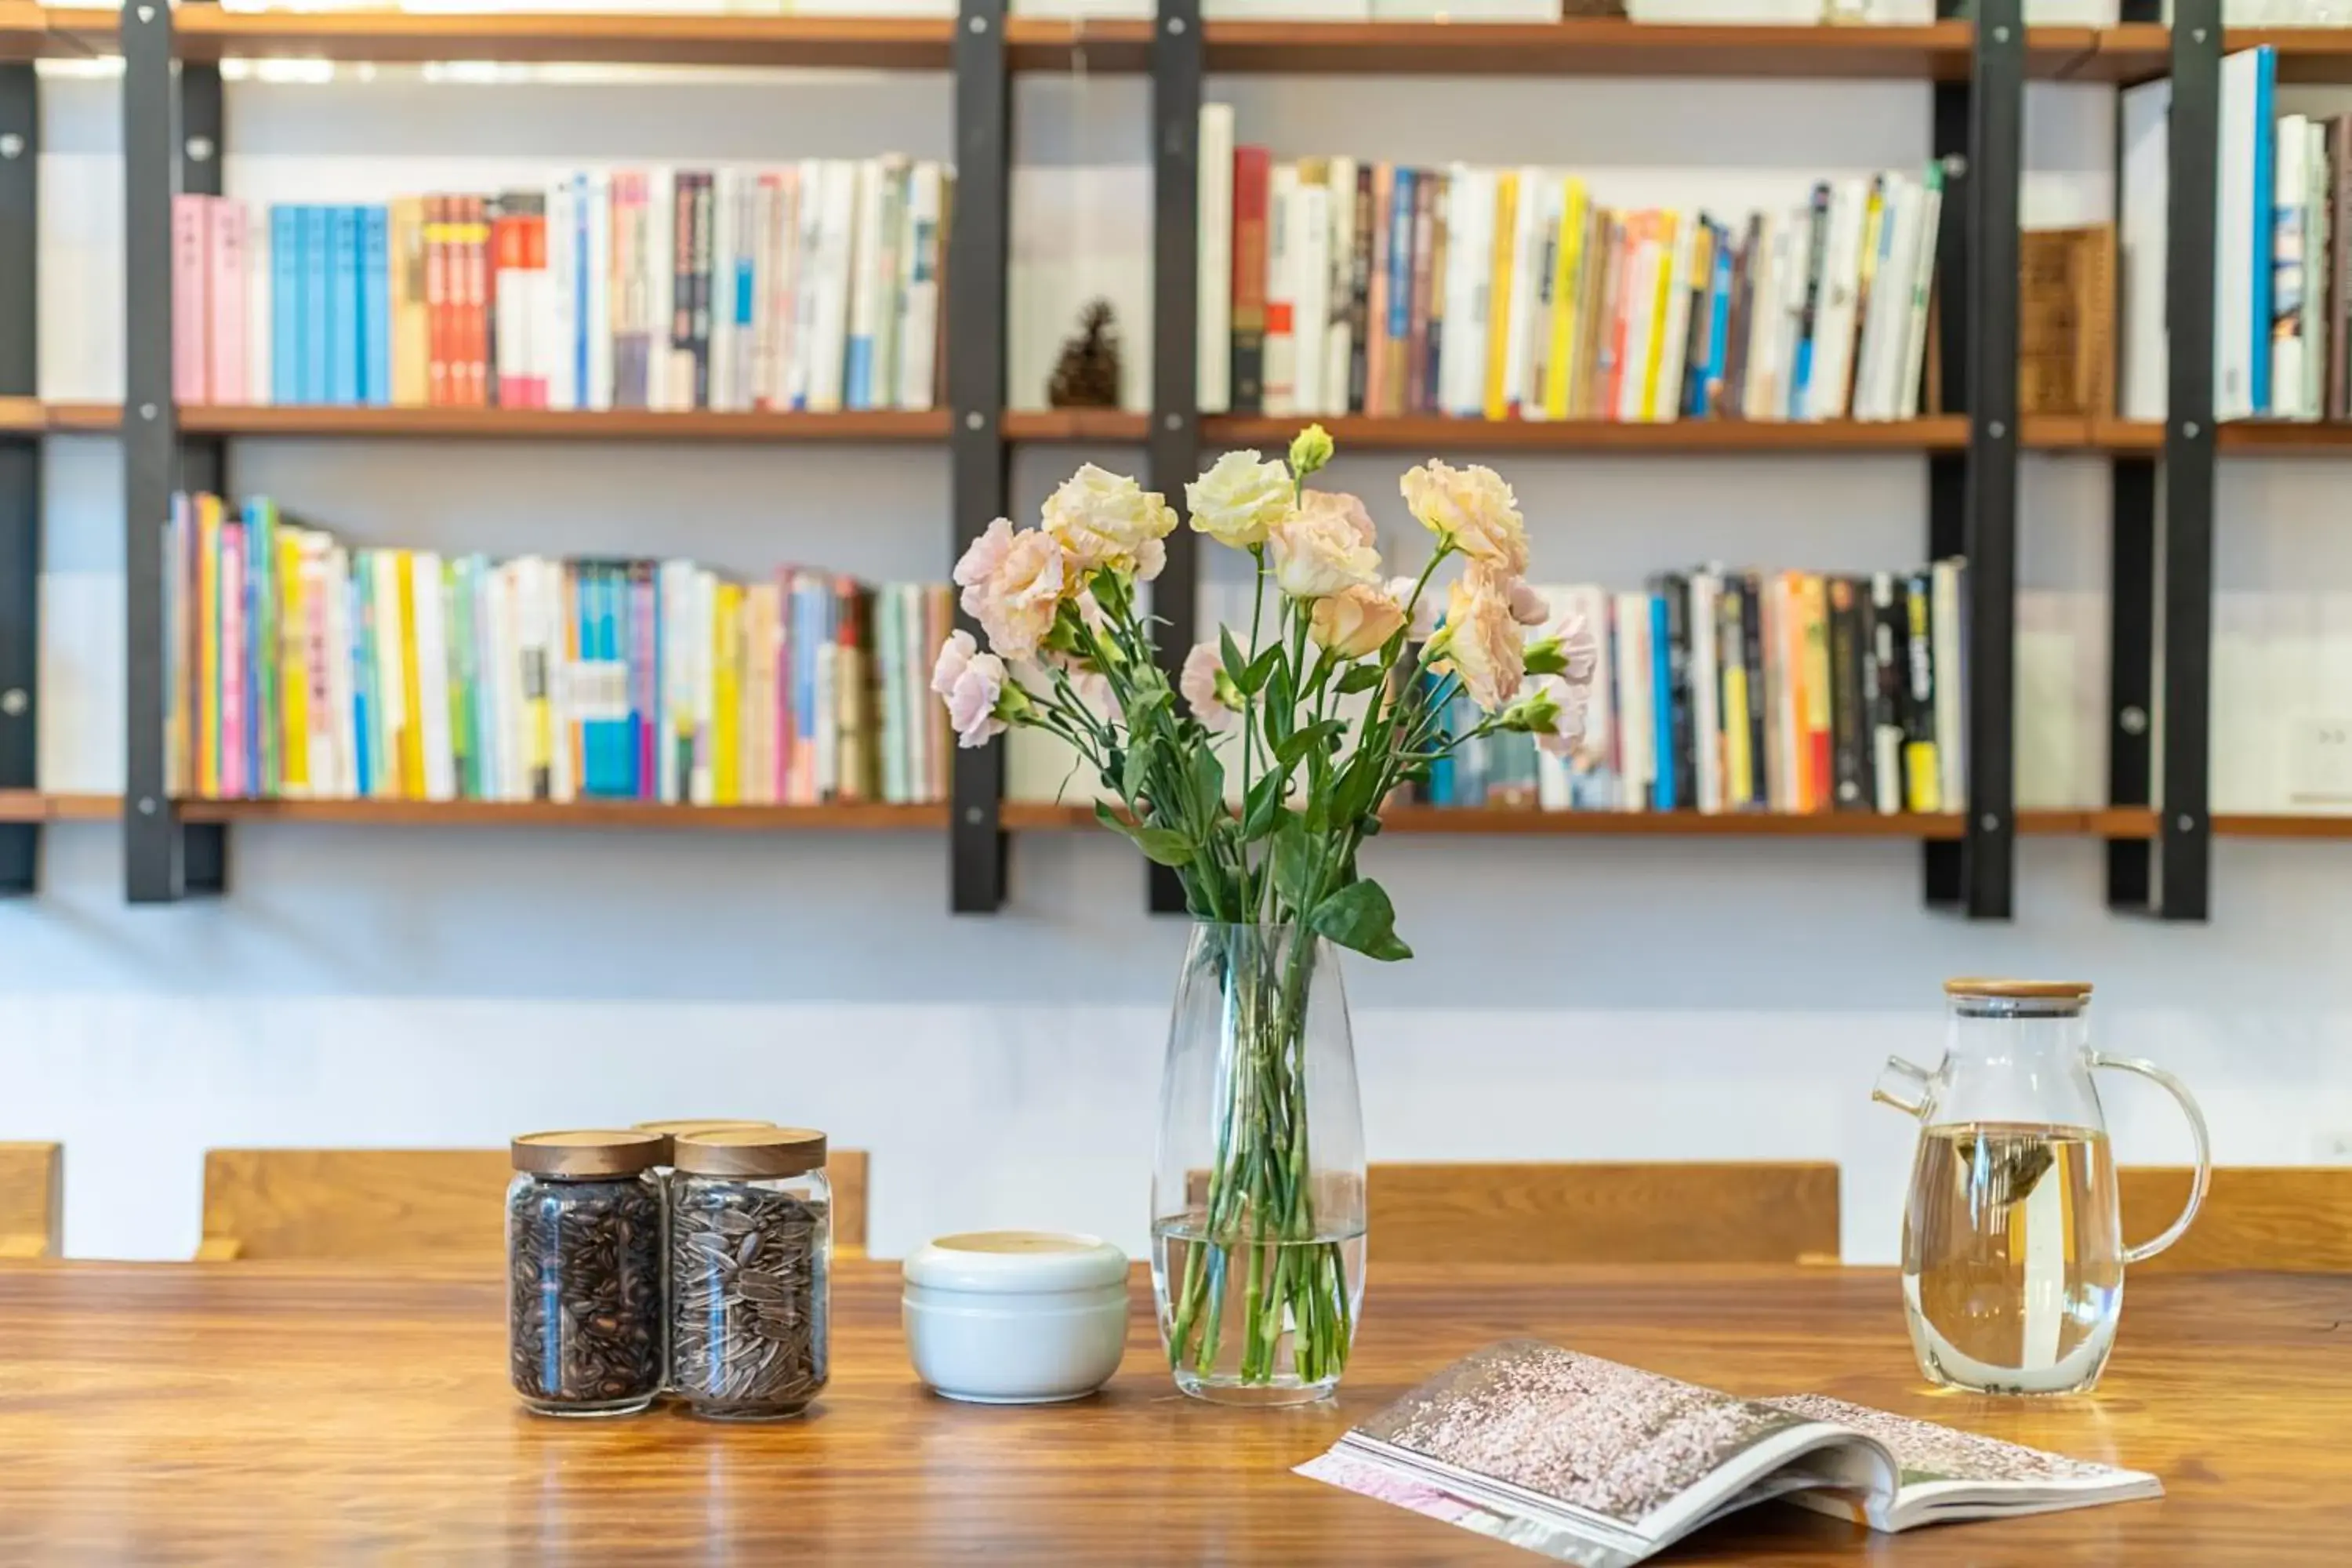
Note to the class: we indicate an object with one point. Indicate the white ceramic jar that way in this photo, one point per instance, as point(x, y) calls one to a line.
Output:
point(1016, 1316)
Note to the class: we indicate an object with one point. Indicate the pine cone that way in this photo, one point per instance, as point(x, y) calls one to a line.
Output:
point(1088, 374)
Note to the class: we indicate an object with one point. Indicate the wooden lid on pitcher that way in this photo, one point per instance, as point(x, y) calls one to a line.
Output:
point(2021, 990)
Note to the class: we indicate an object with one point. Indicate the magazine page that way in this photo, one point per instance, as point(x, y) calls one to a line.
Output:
point(1953, 1475)
point(1585, 1460)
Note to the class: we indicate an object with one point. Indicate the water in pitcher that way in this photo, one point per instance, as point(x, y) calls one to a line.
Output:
point(2012, 1270)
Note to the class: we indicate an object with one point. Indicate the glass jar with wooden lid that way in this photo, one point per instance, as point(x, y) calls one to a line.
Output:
point(751, 1250)
point(584, 1271)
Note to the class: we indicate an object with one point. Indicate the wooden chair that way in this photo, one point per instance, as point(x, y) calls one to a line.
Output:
point(402, 1204)
point(32, 1200)
point(1762, 1212)
point(2295, 1219)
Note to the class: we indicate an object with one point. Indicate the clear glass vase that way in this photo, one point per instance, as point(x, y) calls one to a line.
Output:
point(1257, 1192)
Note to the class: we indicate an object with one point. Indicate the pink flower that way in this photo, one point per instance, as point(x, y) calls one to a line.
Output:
point(1569, 704)
point(1470, 509)
point(1355, 621)
point(1482, 644)
point(1580, 645)
point(1204, 685)
point(1012, 586)
point(1324, 545)
point(1528, 606)
point(971, 683)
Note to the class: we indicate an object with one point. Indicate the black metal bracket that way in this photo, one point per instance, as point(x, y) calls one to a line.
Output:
point(164, 859)
point(1175, 438)
point(2163, 557)
point(976, 357)
point(20, 469)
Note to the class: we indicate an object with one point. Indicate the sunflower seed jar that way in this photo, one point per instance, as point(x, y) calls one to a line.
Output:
point(751, 1247)
point(584, 1271)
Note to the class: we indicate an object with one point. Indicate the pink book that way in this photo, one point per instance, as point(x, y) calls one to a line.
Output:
point(644, 681)
point(188, 305)
point(226, 283)
point(234, 783)
point(783, 714)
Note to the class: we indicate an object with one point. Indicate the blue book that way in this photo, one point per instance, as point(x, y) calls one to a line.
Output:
point(362, 653)
point(343, 305)
point(1401, 257)
point(1662, 690)
point(1800, 376)
point(1710, 385)
point(590, 579)
point(285, 304)
point(375, 306)
point(611, 590)
point(2265, 220)
point(315, 332)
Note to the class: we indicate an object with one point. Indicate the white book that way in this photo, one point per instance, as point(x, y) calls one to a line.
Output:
point(726, 238)
point(2145, 119)
point(1796, 280)
point(828, 726)
point(1705, 693)
point(889, 281)
point(1280, 390)
point(1834, 327)
point(1340, 286)
point(258, 278)
point(807, 244)
point(1526, 258)
point(1551, 198)
point(493, 653)
point(776, 292)
point(1470, 242)
point(760, 197)
point(1311, 311)
point(1760, 398)
point(2290, 268)
point(2319, 247)
point(659, 253)
point(918, 333)
point(599, 284)
point(558, 321)
point(1662, 400)
point(1923, 288)
point(1947, 640)
point(669, 676)
point(829, 307)
point(1214, 284)
point(335, 776)
point(1886, 329)
point(1645, 260)
point(2243, 231)
point(865, 286)
point(1636, 762)
point(432, 655)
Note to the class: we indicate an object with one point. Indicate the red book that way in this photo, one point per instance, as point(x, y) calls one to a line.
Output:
point(1376, 327)
point(1252, 175)
point(437, 390)
point(1625, 245)
point(189, 265)
point(534, 265)
point(474, 300)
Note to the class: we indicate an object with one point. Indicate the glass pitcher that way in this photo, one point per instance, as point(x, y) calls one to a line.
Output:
point(2012, 1245)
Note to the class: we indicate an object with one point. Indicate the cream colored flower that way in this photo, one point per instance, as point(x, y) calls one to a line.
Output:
point(1357, 620)
point(1528, 606)
point(971, 683)
point(1106, 520)
point(1482, 644)
point(1471, 507)
point(1325, 545)
point(1238, 500)
point(1012, 586)
point(1207, 688)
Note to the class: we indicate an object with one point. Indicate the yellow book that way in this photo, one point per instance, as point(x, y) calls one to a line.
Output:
point(1668, 232)
point(1922, 770)
point(293, 668)
point(726, 684)
point(412, 684)
point(1498, 294)
point(208, 651)
point(411, 334)
point(1568, 258)
point(1738, 759)
point(1814, 608)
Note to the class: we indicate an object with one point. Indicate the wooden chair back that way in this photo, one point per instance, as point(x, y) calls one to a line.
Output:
point(401, 1204)
point(2295, 1219)
point(1509, 1213)
point(32, 1200)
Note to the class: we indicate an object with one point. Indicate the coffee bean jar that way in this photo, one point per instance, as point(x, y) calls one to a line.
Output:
point(584, 1271)
point(750, 1247)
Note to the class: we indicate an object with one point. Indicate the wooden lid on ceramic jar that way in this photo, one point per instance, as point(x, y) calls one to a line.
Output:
point(589, 1151)
point(749, 1152)
point(688, 1126)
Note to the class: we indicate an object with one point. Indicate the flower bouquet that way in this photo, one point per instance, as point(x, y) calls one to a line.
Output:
point(1256, 777)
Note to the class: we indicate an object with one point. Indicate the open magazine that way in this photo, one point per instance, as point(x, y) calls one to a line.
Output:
point(1603, 1465)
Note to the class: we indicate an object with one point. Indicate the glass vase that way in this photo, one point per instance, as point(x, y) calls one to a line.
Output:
point(1258, 1192)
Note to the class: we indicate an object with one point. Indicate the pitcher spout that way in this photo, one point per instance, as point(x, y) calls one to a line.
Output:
point(1902, 1085)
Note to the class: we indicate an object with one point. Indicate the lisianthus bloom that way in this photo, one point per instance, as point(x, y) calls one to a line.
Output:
point(1472, 510)
point(1357, 620)
point(1481, 643)
point(1210, 691)
point(1325, 544)
point(1012, 586)
point(1239, 499)
point(1103, 520)
point(1553, 712)
point(975, 687)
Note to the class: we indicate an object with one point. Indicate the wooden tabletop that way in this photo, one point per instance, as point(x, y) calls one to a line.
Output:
point(192, 1413)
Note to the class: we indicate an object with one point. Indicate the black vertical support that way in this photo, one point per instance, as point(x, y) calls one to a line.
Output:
point(1175, 440)
point(2184, 844)
point(1947, 472)
point(20, 469)
point(2131, 669)
point(975, 350)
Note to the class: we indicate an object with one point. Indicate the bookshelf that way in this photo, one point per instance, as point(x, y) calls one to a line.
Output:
point(21, 428)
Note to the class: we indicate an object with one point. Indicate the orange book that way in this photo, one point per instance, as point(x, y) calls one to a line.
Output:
point(438, 383)
point(1375, 345)
point(1813, 633)
point(534, 264)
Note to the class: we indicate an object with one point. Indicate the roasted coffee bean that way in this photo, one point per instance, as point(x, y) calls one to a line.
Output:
point(584, 1291)
point(747, 1333)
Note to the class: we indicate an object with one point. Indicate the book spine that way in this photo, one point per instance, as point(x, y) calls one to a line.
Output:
point(1422, 309)
point(1949, 655)
point(1817, 238)
point(343, 324)
point(474, 251)
point(926, 245)
point(225, 286)
point(1396, 343)
point(1253, 182)
point(1849, 717)
point(1375, 333)
point(285, 266)
point(1212, 369)
point(375, 306)
point(190, 261)
point(318, 313)
point(1279, 390)
point(2339, 267)
point(411, 351)
point(1922, 779)
point(260, 307)
point(1361, 252)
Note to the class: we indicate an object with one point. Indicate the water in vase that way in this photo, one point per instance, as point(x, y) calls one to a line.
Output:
point(1208, 1294)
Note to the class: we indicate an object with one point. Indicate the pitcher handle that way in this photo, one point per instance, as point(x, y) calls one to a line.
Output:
point(2204, 1176)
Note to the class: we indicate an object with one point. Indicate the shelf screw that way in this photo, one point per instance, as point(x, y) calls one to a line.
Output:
point(200, 149)
point(1989, 822)
point(2134, 719)
point(13, 702)
point(12, 145)
point(972, 421)
point(1175, 422)
point(146, 411)
point(2188, 428)
point(975, 815)
point(1996, 429)
point(978, 24)
point(146, 805)
point(2198, 34)
point(2185, 823)
point(1176, 24)
point(146, 12)
point(1956, 165)
point(2001, 35)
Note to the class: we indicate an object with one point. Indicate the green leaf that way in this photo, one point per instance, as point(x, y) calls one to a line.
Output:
point(1353, 797)
point(1296, 747)
point(1230, 652)
point(1360, 917)
point(1133, 770)
point(1259, 812)
point(1261, 668)
point(1295, 860)
point(1208, 779)
point(1164, 845)
point(1362, 678)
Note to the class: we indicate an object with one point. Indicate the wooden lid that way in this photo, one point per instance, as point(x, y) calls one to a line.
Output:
point(2021, 990)
point(687, 1125)
point(750, 1152)
point(592, 1152)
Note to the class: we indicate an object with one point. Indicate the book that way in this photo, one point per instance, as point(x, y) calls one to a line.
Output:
point(1252, 176)
point(1922, 774)
point(1212, 371)
point(1588, 1461)
point(1850, 747)
point(2244, 227)
point(2144, 121)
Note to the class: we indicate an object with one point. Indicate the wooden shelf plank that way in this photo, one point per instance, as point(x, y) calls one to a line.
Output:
point(39, 805)
point(22, 416)
point(2139, 51)
point(1438, 434)
point(1102, 425)
point(1047, 816)
point(546, 423)
point(2236, 439)
point(869, 817)
point(2228, 825)
point(877, 43)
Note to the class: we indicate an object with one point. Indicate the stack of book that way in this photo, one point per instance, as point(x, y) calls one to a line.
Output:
point(812, 286)
point(1330, 286)
point(1731, 691)
point(299, 667)
point(2282, 253)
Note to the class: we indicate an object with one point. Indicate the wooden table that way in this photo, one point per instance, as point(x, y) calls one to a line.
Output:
point(252, 1413)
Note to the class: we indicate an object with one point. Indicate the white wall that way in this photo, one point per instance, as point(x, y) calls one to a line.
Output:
point(1603, 998)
